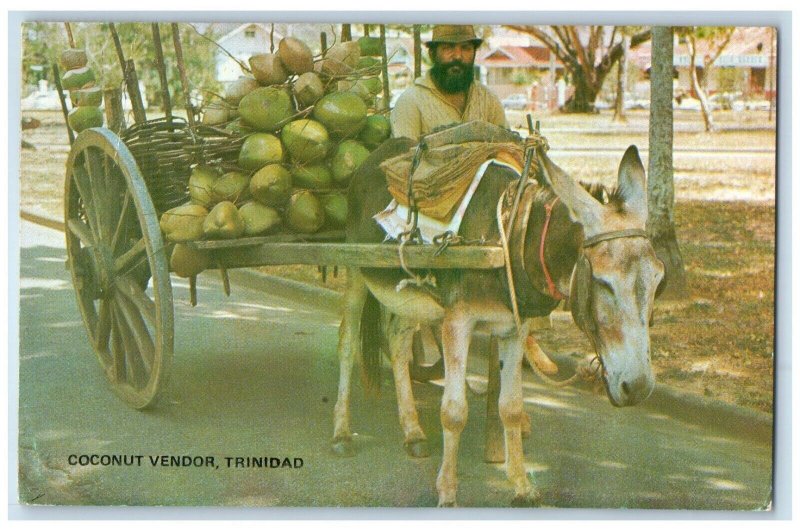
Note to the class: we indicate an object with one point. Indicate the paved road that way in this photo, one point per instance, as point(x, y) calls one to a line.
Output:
point(255, 375)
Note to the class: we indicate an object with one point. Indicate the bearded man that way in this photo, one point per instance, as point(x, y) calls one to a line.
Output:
point(447, 94)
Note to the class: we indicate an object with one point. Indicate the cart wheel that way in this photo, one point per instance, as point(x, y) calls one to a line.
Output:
point(114, 248)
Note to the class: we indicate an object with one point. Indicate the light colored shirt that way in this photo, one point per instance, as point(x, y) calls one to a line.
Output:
point(422, 108)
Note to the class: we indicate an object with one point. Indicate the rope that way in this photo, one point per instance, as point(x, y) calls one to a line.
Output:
point(507, 256)
point(536, 140)
point(414, 279)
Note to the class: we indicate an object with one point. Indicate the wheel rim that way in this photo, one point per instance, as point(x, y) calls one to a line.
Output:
point(114, 245)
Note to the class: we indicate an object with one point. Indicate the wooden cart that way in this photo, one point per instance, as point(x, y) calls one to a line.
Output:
point(119, 262)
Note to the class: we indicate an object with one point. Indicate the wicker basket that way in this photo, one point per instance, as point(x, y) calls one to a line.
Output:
point(167, 149)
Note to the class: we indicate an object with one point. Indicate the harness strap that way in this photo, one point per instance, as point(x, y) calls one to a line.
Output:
point(613, 235)
point(512, 292)
point(551, 286)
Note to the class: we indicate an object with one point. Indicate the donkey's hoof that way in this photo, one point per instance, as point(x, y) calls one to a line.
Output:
point(534, 499)
point(343, 448)
point(418, 449)
point(447, 504)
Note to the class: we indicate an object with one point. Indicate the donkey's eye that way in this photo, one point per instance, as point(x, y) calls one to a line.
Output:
point(604, 284)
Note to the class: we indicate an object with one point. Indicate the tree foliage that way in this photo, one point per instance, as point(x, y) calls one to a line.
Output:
point(43, 43)
point(588, 54)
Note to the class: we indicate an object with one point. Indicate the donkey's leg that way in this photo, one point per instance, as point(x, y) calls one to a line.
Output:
point(512, 415)
point(456, 333)
point(401, 337)
point(348, 350)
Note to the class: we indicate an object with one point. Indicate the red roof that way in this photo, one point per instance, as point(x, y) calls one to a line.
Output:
point(514, 56)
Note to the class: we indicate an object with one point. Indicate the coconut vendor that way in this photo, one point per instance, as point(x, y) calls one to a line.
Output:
point(448, 94)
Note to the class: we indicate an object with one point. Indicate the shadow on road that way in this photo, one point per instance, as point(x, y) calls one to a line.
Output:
point(255, 375)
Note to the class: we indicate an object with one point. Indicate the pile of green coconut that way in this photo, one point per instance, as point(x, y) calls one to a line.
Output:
point(307, 126)
point(86, 97)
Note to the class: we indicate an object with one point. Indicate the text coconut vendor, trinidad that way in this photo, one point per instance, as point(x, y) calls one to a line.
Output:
point(448, 94)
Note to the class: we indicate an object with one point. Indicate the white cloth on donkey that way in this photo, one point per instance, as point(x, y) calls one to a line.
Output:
point(393, 218)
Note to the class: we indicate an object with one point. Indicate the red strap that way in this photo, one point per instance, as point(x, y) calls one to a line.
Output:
point(551, 286)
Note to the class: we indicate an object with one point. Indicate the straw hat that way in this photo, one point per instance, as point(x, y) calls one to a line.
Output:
point(453, 34)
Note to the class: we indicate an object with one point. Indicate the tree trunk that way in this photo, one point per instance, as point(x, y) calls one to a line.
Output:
point(622, 71)
point(585, 94)
point(697, 86)
point(660, 186)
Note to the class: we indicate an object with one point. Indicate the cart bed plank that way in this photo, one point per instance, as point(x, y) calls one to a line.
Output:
point(353, 254)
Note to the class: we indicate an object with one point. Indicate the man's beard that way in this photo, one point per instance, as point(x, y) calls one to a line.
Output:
point(452, 77)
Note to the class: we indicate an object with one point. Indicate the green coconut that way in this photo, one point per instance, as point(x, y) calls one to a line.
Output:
point(258, 218)
point(223, 222)
point(342, 113)
point(239, 89)
point(335, 207)
point(73, 58)
point(348, 157)
point(88, 97)
point(238, 128)
point(183, 223)
point(81, 118)
point(295, 55)
point(271, 185)
point(201, 183)
point(77, 78)
point(373, 84)
point(234, 186)
point(313, 176)
point(258, 150)
point(305, 140)
point(217, 112)
point(308, 89)
point(187, 261)
point(341, 59)
point(265, 108)
point(376, 130)
point(356, 87)
point(370, 46)
point(268, 69)
point(305, 213)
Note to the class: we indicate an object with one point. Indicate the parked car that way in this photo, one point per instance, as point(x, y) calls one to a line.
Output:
point(516, 101)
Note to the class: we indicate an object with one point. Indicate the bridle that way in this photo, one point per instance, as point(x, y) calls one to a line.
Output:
point(520, 280)
point(614, 235)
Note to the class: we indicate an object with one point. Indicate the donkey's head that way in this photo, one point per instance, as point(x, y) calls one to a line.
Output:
point(615, 280)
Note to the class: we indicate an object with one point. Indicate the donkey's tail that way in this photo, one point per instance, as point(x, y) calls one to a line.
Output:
point(371, 342)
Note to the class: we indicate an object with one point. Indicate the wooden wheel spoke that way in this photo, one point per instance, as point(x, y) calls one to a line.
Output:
point(117, 370)
point(81, 179)
point(147, 308)
point(130, 258)
point(139, 331)
point(99, 178)
point(126, 203)
point(95, 165)
point(82, 231)
point(136, 373)
point(103, 330)
point(117, 186)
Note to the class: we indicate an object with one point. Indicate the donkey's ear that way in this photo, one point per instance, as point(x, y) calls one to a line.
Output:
point(583, 208)
point(632, 185)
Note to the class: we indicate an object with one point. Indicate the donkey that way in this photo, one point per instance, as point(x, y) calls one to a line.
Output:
point(602, 260)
